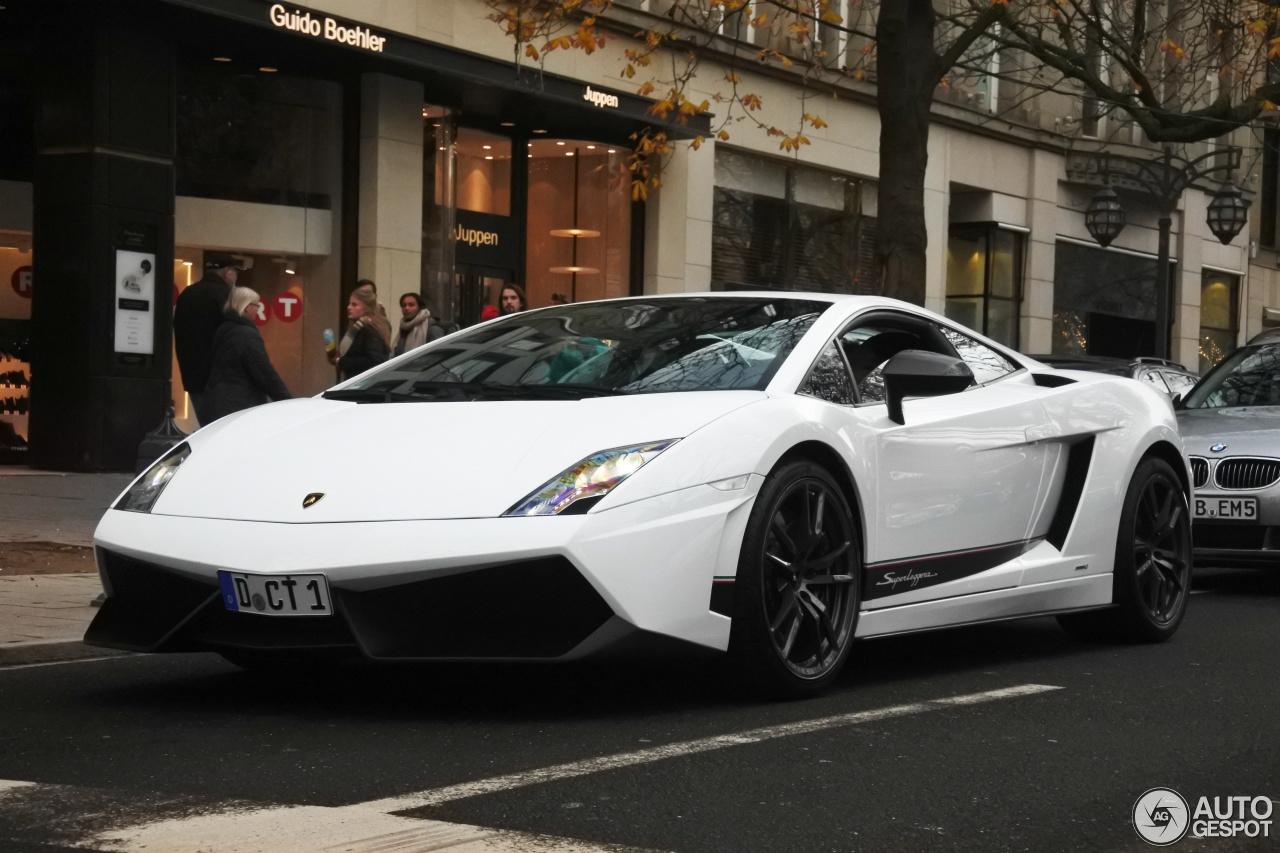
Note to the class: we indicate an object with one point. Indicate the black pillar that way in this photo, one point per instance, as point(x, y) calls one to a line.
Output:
point(104, 196)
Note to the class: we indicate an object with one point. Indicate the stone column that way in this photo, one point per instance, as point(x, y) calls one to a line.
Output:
point(677, 242)
point(1184, 341)
point(1035, 333)
point(390, 232)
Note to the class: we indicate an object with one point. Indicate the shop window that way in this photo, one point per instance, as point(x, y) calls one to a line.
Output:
point(1104, 301)
point(259, 173)
point(782, 226)
point(984, 280)
point(1219, 313)
point(483, 163)
point(578, 230)
point(268, 138)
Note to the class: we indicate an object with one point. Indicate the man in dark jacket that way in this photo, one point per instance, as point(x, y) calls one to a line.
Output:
point(196, 318)
point(240, 372)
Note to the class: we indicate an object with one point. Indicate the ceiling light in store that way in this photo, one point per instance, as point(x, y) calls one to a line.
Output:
point(568, 153)
point(574, 232)
point(538, 130)
point(559, 143)
point(289, 271)
point(488, 157)
point(222, 59)
point(268, 69)
point(486, 147)
point(425, 112)
point(186, 263)
point(612, 151)
point(582, 270)
point(530, 144)
point(591, 148)
point(435, 124)
point(508, 124)
point(441, 147)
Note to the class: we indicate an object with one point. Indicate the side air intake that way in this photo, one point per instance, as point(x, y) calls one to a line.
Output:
point(1079, 455)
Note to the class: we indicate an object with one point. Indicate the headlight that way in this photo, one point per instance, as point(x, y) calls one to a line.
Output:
point(142, 495)
point(593, 477)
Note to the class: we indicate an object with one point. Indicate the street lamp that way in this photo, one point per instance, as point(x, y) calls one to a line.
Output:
point(1164, 178)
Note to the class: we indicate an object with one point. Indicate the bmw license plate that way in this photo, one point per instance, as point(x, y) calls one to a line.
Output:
point(1226, 509)
point(276, 595)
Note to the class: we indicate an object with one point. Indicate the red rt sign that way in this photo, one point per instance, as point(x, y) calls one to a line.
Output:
point(288, 306)
point(21, 281)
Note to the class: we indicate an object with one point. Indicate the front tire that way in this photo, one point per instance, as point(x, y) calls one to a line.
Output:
point(1152, 574)
point(796, 596)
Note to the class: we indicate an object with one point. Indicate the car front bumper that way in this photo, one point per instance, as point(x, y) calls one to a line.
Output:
point(503, 588)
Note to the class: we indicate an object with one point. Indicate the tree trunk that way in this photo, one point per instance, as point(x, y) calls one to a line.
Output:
point(905, 81)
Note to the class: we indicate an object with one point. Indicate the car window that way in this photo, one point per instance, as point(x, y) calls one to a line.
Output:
point(1179, 383)
point(1250, 376)
point(986, 363)
point(1153, 378)
point(829, 378)
point(617, 347)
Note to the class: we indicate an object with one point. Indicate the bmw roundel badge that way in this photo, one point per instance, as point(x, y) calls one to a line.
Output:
point(312, 499)
point(1217, 448)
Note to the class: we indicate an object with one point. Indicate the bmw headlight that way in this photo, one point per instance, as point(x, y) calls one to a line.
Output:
point(144, 493)
point(593, 477)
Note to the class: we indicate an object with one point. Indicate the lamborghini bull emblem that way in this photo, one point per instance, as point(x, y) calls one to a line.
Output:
point(312, 499)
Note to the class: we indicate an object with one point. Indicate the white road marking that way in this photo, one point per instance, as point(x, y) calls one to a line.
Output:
point(62, 662)
point(677, 750)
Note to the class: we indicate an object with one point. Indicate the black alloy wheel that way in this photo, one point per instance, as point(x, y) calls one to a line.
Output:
point(797, 599)
point(1152, 578)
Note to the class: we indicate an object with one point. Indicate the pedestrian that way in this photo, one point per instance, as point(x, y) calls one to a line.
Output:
point(196, 318)
point(240, 371)
point(367, 341)
point(416, 325)
point(382, 310)
point(512, 299)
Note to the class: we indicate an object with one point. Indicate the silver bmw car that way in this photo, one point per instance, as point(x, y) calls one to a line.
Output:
point(1230, 424)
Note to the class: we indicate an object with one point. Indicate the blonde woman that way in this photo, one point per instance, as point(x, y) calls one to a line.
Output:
point(240, 372)
point(367, 342)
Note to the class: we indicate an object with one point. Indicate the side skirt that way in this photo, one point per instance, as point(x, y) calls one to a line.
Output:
point(1054, 597)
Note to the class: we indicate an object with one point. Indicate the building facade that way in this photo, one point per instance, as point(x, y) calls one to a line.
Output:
point(397, 141)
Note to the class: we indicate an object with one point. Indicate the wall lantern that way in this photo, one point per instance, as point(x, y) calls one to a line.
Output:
point(1228, 213)
point(1105, 217)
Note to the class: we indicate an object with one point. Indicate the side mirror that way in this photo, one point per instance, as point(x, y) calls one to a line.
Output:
point(918, 373)
point(1176, 400)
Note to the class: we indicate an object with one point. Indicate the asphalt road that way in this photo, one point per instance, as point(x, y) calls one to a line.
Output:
point(127, 741)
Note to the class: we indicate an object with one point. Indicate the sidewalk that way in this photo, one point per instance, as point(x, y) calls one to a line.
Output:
point(47, 574)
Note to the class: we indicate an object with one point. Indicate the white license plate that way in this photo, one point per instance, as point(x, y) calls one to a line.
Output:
point(1228, 509)
point(276, 595)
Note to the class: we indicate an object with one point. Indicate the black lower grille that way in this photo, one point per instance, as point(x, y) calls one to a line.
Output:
point(1243, 537)
point(536, 609)
point(1244, 473)
point(147, 603)
point(1199, 471)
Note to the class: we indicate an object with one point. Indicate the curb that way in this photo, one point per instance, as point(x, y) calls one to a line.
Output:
point(52, 651)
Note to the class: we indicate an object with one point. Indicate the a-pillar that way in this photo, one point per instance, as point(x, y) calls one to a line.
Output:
point(103, 203)
point(390, 232)
point(677, 243)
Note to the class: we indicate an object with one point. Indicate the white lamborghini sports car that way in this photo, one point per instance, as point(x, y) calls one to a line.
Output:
point(771, 475)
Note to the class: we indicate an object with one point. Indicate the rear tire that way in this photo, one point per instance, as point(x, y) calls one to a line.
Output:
point(1152, 574)
point(796, 595)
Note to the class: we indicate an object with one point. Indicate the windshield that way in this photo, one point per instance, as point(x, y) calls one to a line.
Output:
point(1247, 377)
point(602, 348)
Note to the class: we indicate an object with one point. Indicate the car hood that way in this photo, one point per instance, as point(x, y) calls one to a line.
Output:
point(1245, 430)
point(400, 461)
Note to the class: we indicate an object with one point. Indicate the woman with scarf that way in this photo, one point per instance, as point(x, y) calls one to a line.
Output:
point(367, 342)
point(416, 327)
point(240, 372)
